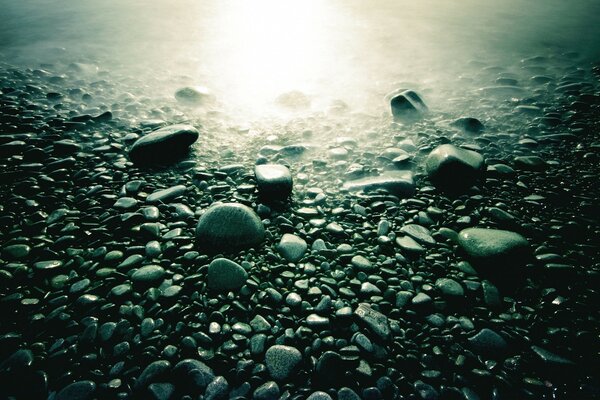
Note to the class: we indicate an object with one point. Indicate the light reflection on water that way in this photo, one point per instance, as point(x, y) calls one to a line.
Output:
point(249, 52)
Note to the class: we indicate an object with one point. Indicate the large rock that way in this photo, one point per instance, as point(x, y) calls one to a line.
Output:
point(229, 227)
point(163, 145)
point(453, 168)
point(194, 95)
point(494, 247)
point(224, 275)
point(407, 105)
point(281, 361)
point(399, 183)
point(274, 181)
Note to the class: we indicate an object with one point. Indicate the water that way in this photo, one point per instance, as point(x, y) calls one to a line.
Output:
point(248, 53)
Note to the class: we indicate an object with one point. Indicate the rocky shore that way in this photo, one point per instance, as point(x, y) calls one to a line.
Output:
point(150, 251)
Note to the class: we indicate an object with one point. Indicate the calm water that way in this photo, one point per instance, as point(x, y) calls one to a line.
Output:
point(248, 53)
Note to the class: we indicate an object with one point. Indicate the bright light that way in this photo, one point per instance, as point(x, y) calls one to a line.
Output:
point(268, 47)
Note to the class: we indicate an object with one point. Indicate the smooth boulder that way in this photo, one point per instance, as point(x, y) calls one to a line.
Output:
point(453, 168)
point(229, 227)
point(163, 145)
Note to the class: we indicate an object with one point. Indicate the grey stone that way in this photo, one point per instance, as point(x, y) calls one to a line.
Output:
point(163, 145)
point(274, 181)
point(282, 361)
point(229, 227)
point(292, 247)
point(453, 168)
point(399, 183)
point(224, 275)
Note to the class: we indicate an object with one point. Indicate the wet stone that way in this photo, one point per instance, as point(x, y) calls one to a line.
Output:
point(166, 195)
point(453, 168)
point(224, 275)
point(450, 287)
point(149, 274)
point(266, 391)
point(399, 183)
point(407, 105)
point(282, 361)
point(229, 227)
point(163, 145)
point(82, 390)
point(493, 246)
point(468, 124)
point(292, 247)
point(489, 343)
point(274, 181)
point(374, 320)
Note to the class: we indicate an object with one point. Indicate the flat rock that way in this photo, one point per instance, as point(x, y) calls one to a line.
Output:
point(493, 246)
point(292, 247)
point(274, 181)
point(224, 275)
point(282, 361)
point(399, 183)
point(166, 195)
point(163, 145)
point(374, 320)
point(453, 168)
point(229, 227)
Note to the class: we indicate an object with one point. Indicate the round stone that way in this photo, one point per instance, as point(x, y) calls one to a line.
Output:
point(224, 275)
point(282, 361)
point(229, 227)
point(292, 247)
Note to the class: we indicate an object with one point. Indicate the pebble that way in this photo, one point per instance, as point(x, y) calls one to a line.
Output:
point(282, 361)
point(374, 320)
point(166, 195)
point(407, 105)
point(488, 343)
point(493, 246)
point(399, 183)
point(163, 145)
point(81, 390)
point(229, 227)
point(292, 247)
point(225, 275)
point(149, 274)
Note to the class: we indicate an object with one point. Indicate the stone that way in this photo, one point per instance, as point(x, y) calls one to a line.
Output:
point(319, 396)
point(218, 389)
point(149, 274)
point(166, 195)
point(151, 373)
point(229, 227)
point(267, 391)
point(274, 181)
point(361, 263)
point(407, 105)
point(292, 247)
point(225, 275)
point(374, 320)
point(419, 233)
point(81, 390)
point(193, 373)
point(193, 95)
point(450, 288)
point(468, 124)
point(163, 145)
point(488, 343)
point(16, 251)
point(161, 391)
point(453, 168)
point(282, 361)
point(550, 359)
point(494, 247)
point(399, 183)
